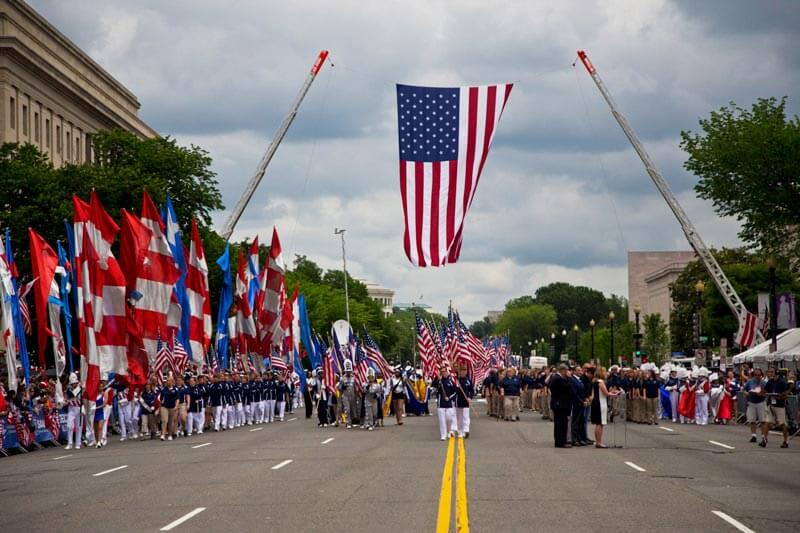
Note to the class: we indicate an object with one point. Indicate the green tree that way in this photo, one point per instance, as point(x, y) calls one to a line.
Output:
point(655, 342)
point(482, 328)
point(525, 324)
point(577, 304)
point(746, 161)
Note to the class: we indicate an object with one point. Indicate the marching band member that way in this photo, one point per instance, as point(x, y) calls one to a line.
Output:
point(701, 389)
point(372, 393)
point(217, 400)
point(281, 393)
point(196, 410)
point(347, 389)
point(321, 395)
point(270, 388)
point(446, 393)
point(74, 397)
point(398, 391)
point(671, 387)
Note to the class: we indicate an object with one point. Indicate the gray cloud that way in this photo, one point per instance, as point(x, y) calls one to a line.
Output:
point(222, 75)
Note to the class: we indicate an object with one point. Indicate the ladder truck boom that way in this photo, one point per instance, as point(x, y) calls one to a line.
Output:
point(720, 279)
point(252, 185)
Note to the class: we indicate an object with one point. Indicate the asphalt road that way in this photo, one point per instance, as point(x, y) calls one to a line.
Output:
point(392, 480)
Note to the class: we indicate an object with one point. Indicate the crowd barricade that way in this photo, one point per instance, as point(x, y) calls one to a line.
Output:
point(793, 415)
point(29, 430)
point(741, 408)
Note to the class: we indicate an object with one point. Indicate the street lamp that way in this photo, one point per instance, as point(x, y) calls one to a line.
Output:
point(337, 231)
point(553, 346)
point(699, 287)
point(591, 328)
point(530, 351)
point(773, 316)
point(576, 329)
point(637, 336)
point(611, 318)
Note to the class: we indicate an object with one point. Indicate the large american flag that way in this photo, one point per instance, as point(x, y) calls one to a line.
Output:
point(425, 348)
point(444, 138)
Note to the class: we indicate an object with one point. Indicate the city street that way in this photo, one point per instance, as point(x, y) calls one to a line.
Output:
point(292, 476)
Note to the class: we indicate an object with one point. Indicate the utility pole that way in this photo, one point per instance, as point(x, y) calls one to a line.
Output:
point(337, 231)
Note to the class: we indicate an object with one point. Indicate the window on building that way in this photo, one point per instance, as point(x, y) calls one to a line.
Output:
point(24, 119)
point(88, 146)
point(69, 146)
point(36, 127)
point(12, 112)
point(58, 139)
point(47, 133)
point(77, 149)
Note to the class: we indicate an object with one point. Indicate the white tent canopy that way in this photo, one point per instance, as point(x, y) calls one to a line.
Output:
point(788, 350)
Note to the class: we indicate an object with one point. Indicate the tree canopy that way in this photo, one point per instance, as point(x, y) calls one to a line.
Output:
point(747, 162)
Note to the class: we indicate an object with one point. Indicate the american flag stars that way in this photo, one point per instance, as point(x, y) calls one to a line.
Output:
point(428, 122)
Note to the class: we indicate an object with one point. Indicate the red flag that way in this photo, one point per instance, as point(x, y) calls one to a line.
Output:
point(199, 301)
point(43, 263)
point(273, 297)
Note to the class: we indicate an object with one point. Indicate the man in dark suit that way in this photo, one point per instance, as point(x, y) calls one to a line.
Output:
point(579, 402)
point(561, 400)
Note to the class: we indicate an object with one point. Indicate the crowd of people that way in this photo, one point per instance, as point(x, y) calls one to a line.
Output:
point(575, 396)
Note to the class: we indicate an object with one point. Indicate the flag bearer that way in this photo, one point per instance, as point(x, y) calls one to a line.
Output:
point(372, 394)
point(74, 396)
point(217, 399)
point(446, 392)
point(281, 395)
point(197, 405)
point(270, 387)
point(464, 394)
point(230, 401)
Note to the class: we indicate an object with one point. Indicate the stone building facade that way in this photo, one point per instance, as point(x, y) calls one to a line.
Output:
point(650, 275)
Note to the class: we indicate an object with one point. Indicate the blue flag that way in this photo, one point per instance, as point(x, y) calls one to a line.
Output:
point(305, 333)
point(225, 302)
point(16, 314)
point(66, 284)
point(301, 373)
point(175, 241)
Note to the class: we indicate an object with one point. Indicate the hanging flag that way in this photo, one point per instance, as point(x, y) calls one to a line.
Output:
point(375, 356)
point(172, 231)
point(747, 330)
point(253, 272)
point(360, 365)
point(23, 306)
point(225, 302)
point(44, 261)
point(200, 329)
point(273, 295)
point(179, 355)
point(8, 325)
point(444, 139)
point(163, 358)
point(298, 368)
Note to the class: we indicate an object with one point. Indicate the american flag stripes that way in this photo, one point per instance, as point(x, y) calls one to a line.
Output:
point(329, 375)
point(425, 348)
point(273, 297)
point(360, 366)
point(200, 329)
point(179, 355)
point(374, 354)
point(23, 306)
point(747, 331)
point(444, 139)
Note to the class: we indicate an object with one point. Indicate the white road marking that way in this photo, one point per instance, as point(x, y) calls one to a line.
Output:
point(635, 466)
point(183, 519)
point(732, 521)
point(62, 457)
point(292, 419)
point(201, 445)
point(282, 464)
point(666, 429)
point(104, 472)
point(326, 441)
point(256, 429)
point(721, 445)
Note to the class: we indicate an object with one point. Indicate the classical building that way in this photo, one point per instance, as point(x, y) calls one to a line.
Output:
point(52, 94)
point(650, 275)
point(494, 316)
point(382, 295)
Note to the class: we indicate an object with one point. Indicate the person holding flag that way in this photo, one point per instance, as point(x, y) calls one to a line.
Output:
point(446, 394)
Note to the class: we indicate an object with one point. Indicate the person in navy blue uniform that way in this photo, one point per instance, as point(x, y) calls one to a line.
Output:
point(446, 398)
point(216, 395)
point(168, 396)
point(510, 388)
point(561, 401)
point(281, 394)
point(197, 405)
point(464, 394)
point(270, 386)
point(230, 401)
point(182, 411)
point(147, 401)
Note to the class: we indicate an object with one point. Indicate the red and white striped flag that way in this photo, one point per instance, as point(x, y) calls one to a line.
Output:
point(179, 355)
point(747, 330)
point(199, 301)
point(444, 139)
point(426, 349)
point(24, 310)
point(101, 295)
point(329, 377)
point(272, 298)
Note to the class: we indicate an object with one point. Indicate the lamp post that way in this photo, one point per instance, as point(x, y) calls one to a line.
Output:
point(637, 336)
point(699, 287)
point(773, 316)
point(553, 346)
point(591, 329)
point(530, 352)
point(611, 318)
point(564, 342)
point(337, 231)
point(576, 329)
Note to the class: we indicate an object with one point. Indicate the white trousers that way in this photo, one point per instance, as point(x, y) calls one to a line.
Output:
point(673, 403)
point(281, 410)
point(106, 417)
point(123, 414)
point(219, 417)
point(195, 421)
point(230, 415)
point(248, 412)
point(447, 421)
point(701, 409)
point(240, 416)
point(74, 425)
point(462, 420)
point(258, 411)
point(270, 411)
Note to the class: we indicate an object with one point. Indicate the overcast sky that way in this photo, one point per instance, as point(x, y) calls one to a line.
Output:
point(562, 196)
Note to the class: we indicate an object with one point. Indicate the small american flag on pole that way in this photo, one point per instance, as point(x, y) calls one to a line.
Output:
point(444, 138)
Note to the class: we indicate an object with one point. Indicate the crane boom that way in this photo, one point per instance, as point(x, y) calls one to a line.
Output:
point(720, 279)
point(252, 185)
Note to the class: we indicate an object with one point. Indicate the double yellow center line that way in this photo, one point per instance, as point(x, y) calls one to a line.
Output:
point(446, 493)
